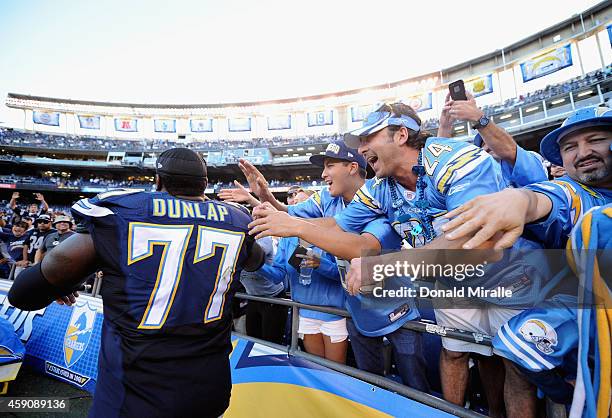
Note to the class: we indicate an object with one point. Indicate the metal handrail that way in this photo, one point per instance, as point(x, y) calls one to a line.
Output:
point(419, 326)
point(374, 379)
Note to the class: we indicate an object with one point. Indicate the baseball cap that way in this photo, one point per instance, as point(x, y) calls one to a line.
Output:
point(62, 218)
point(181, 162)
point(43, 218)
point(339, 151)
point(583, 118)
point(377, 121)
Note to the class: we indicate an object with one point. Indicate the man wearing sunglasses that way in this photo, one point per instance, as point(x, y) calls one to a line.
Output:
point(292, 193)
point(36, 237)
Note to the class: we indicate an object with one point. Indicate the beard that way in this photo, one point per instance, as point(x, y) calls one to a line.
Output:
point(595, 177)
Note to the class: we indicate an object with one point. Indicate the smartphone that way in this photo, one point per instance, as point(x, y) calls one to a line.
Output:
point(295, 261)
point(457, 90)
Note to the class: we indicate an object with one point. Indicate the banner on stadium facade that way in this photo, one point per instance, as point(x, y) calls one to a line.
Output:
point(322, 118)
point(547, 63)
point(480, 86)
point(201, 125)
point(126, 124)
point(421, 102)
point(359, 113)
point(610, 33)
point(165, 125)
point(278, 122)
point(46, 118)
point(239, 124)
point(89, 121)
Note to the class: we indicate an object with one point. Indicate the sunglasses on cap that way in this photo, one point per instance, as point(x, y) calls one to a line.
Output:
point(294, 193)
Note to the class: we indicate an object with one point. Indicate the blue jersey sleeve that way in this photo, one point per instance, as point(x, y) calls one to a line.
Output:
point(276, 271)
point(527, 169)
point(382, 230)
point(328, 267)
point(367, 205)
point(310, 208)
point(554, 229)
point(460, 171)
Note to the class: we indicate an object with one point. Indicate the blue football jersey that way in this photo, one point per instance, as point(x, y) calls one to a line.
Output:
point(317, 205)
point(372, 316)
point(456, 172)
point(528, 168)
point(169, 264)
point(570, 200)
point(169, 276)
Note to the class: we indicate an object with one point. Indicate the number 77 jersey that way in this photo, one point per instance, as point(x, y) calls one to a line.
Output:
point(169, 264)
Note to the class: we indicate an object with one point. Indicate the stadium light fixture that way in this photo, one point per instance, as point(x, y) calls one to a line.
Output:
point(289, 149)
point(557, 101)
point(531, 109)
point(506, 116)
point(585, 93)
point(300, 149)
point(459, 128)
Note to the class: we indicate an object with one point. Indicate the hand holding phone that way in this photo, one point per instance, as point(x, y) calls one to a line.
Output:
point(457, 90)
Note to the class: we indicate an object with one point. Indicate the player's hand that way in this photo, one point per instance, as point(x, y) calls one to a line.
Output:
point(484, 216)
point(69, 299)
point(39, 197)
point(22, 263)
point(3, 260)
point(465, 109)
point(15, 196)
point(257, 182)
point(238, 195)
point(273, 223)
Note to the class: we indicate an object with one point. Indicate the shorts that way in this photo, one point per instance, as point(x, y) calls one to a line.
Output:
point(335, 330)
point(486, 320)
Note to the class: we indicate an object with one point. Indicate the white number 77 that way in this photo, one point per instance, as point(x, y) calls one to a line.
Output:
point(142, 237)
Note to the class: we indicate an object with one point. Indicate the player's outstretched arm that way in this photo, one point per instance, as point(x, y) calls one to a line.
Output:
point(325, 234)
point(56, 276)
point(259, 185)
point(507, 212)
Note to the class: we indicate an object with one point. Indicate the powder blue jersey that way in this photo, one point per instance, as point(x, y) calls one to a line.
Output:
point(456, 172)
point(528, 168)
point(324, 289)
point(570, 200)
point(547, 337)
point(372, 316)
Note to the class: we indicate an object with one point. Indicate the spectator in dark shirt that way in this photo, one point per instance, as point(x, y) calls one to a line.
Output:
point(36, 236)
point(62, 225)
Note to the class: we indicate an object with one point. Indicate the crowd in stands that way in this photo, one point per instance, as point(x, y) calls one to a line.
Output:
point(80, 182)
point(24, 139)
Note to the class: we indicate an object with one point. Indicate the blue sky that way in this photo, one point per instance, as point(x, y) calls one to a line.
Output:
point(198, 51)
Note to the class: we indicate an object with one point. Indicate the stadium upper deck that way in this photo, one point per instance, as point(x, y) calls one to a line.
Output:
point(513, 75)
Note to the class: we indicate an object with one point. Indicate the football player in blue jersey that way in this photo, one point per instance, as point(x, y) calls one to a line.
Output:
point(344, 171)
point(169, 260)
point(546, 212)
point(418, 179)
